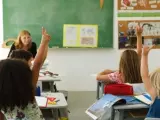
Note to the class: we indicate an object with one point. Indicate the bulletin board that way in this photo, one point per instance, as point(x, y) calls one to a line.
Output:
point(127, 34)
point(138, 4)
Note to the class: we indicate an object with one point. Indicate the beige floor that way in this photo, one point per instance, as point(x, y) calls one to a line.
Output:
point(78, 103)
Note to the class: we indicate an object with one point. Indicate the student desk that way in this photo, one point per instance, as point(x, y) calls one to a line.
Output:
point(62, 103)
point(50, 80)
point(122, 108)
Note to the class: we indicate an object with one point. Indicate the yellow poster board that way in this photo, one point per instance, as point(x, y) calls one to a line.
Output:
point(80, 35)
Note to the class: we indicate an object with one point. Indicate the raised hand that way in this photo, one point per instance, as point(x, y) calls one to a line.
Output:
point(146, 50)
point(139, 30)
point(45, 35)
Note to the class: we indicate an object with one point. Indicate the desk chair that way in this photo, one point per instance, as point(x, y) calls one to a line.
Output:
point(100, 89)
point(100, 93)
point(8, 43)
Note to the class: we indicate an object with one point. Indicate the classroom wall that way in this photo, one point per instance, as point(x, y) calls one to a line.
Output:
point(1, 23)
point(76, 66)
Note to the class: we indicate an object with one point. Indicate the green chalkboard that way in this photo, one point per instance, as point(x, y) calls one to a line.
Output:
point(52, 14)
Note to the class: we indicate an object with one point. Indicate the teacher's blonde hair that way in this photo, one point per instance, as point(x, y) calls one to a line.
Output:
point(18, 42)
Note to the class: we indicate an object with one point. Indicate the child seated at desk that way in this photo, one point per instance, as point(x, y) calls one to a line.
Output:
point(16, 91)
point(151, 83)
point(129, 66)
point(17, 85)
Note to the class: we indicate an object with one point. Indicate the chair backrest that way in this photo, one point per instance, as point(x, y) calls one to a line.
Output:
point(138, 88)
point(6, 42)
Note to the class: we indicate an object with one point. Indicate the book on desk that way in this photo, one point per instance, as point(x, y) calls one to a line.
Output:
point(144, 98)
point(100, 107)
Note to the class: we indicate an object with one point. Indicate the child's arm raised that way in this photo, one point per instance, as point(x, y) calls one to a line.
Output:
point(45, 54)
point(139, 31)
point(145, 72)
point(40, 56)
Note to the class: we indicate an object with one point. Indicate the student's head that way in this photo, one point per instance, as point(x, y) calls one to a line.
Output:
point(129, 67)
point(24, 39)
point(15, 84)
point(23, 55)
point(155, 81)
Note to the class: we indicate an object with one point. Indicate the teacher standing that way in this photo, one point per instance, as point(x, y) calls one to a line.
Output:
point(24, 41)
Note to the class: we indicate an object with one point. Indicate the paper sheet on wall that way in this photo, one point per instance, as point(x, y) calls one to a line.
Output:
point(71, 33)
point(88, 36)
point(80, 35)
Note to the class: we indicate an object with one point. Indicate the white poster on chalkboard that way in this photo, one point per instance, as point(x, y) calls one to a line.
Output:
point(71, 33)
point(88, 35)
point(80, 35)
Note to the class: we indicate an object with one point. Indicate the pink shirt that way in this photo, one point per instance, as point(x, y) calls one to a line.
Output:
point(115, 77)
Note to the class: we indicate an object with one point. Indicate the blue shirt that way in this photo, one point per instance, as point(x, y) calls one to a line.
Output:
point(154, 110)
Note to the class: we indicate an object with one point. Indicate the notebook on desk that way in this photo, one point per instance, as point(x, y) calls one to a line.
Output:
point(98, 109)
point(41, 101)
point(44, 101)
point(144, 98)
